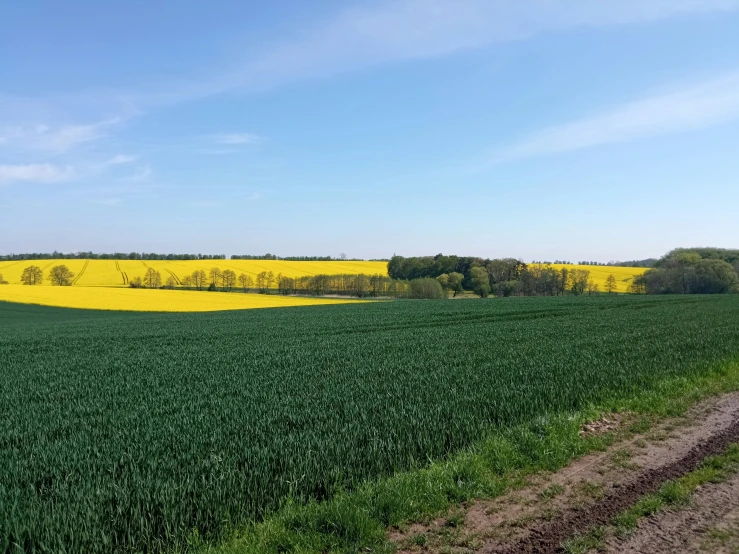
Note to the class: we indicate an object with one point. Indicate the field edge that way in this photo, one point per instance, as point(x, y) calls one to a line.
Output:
point(359, 520)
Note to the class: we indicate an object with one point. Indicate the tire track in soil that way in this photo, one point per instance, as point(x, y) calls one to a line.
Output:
point(547, 538)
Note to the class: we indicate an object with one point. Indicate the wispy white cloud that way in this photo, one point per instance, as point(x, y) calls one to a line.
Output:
point(118, 159)
point(56, 140)
point(398, 30)
point(251, 196)
point(689, 108)
point(35, 173)
point(235, 138)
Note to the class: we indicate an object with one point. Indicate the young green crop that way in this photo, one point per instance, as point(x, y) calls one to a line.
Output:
point(128, 432)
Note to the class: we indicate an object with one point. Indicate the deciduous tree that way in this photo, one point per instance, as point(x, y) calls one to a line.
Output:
point(246, 281)
point(215, 276)
point(32, 275)
point(152, 278)
point(480, 281)
point(198, 278)
point(60, 276)
point(228, 279)
point(610, 284)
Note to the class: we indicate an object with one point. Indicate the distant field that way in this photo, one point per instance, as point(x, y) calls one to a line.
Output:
point(108, 273)
point(145, 300)
point(127, 432)
point(599, 273)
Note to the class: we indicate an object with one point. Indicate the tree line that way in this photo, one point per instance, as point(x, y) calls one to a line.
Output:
point(59, 275)
point(693, 271)
point(114, 256)
point(501, 277)
point(267, 282)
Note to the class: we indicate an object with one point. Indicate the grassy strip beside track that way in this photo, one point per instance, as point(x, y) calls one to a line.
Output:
point(324, 425)
point(358, 520)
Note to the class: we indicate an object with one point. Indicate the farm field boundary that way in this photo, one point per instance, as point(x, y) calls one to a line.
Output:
point(503, 462)
point(423, 405)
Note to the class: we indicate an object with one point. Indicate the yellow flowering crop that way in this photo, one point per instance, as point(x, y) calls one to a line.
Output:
point(92, 273)
point(599, 273)
point(147, 300)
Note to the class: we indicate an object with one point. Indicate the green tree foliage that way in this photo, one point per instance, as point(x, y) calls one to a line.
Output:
point(32, 275)
point(577, 280)
point(60, 276)
point(480, 281)
point(426, 288)
point(693, 271)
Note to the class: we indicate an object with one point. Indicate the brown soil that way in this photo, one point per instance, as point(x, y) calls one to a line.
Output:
point(711, 524)
point(553, 507)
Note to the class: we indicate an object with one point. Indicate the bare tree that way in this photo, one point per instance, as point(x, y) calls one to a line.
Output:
point(610, 284)
point(32, 275)
point(262, 282)
point(152, 278)
point(2, 281)
point(592, 287)
point(270, 280)
point(246, 281)
point(215, 276)
point(60, 276)
point(198, 278)
point(228, 279)
point(187, 281)
point(170, 283)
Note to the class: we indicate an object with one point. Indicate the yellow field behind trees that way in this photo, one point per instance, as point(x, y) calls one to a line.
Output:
point(110, 273)
point(599, 273)
point(147, 300)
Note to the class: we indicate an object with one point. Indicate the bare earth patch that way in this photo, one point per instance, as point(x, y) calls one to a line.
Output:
point(552, 507)
point(709, 524)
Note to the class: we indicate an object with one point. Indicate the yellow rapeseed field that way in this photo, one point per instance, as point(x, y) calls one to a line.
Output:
point(118, 272)
point(599, 273)
point(146, 300)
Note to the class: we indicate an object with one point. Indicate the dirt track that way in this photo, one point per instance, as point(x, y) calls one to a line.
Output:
point(710, 524)
point(554, 507)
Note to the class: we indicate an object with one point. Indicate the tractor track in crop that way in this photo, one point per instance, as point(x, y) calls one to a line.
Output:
point(82, 271)
point(123, 275)
point(176, 279)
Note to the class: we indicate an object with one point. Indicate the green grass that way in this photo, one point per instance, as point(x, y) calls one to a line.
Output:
point(315, 429)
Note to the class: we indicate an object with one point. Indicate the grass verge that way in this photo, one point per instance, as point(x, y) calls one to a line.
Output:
point(357, 520)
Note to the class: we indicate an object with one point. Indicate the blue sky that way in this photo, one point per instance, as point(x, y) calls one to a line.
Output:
point(538, 129)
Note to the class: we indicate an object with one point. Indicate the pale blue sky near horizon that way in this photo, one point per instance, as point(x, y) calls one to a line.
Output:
point(537, 129)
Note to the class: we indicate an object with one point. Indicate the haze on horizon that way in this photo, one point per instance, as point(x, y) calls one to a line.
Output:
point(534, 129)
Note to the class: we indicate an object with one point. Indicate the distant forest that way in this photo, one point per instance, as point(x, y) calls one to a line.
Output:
point(680, 271)
point(115, 256)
